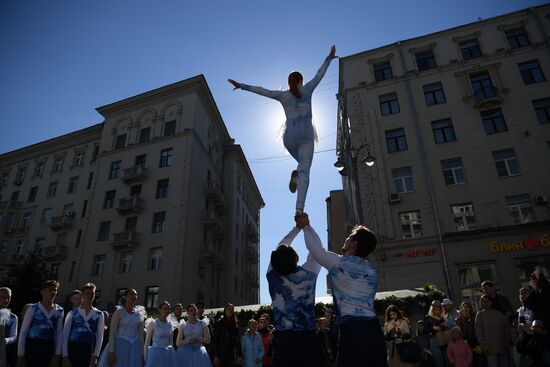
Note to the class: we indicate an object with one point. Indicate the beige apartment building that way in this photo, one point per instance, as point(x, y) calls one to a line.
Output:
point(157, 197)
point(458, 125)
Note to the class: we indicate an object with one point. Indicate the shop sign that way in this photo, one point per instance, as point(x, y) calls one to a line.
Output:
point(422, 252)
point(532, 243)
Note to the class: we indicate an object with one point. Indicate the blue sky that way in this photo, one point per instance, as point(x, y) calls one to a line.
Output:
point(62, 59)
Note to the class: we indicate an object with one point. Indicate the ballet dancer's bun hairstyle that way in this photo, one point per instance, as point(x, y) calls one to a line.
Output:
point(294, 79)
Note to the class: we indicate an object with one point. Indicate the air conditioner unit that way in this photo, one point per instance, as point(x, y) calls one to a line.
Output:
point(394, 197)
point(540, 199)
point(70, 213)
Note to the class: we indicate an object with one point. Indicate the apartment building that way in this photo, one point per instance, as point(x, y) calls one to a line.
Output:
point(157, 197)
point(454, 128)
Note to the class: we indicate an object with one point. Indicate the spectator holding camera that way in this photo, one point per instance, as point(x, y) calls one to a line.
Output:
point(538, 299)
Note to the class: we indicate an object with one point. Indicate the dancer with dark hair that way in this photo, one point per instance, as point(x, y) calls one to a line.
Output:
point(354, 280)
point(42, 329)
point(225, 348)
point(299, 134)
point(292, 290)
point(160, 331)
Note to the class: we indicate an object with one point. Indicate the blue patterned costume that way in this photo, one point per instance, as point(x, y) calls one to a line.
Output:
point(299, 134)
point(83, 335)
point(354, 281)
point(41, 334)
point(293, 303)
point(10, 325)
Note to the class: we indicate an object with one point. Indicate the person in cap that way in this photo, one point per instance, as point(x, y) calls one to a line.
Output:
point(449, 313)
point(498, 301)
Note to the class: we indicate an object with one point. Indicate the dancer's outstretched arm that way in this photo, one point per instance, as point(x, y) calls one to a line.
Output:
point(313, 83)
point(275, 94)
point(314, 245)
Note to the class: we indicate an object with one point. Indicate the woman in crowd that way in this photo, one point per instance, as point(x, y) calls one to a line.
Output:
point(125, 348)
point(396, 330)
point(83, 331)
point(226, 341)
point(160, 331)
point(191, 336)
point(41, 332)
point(252, 346)
point(493, 333)
point(466, 322)
point(299, 133)
point(434, 324)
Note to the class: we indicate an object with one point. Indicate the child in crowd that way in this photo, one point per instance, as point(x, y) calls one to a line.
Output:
point(458, 350)
point(252, 346)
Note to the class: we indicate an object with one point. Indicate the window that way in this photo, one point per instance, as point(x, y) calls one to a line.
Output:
point(73, 183)
point(159, 220)
point(517, 37)
point(27, 219)
point(453, 172)
point(425, 60)
point(382, 71)
point(104, 231)
point(169, 128)
point(151, 296)
point(470, 49)
point(114, 172)
point(3, 247)
point(482, 86)
point(396, 140)
point(531, 72)
point(389, 104)
point(135, 191)
point(19, 248)
point(84, 206)
point(144, 135)
point(520, 209)
point(410, 224)
point(4, 178)
point(14, 196)
point(39, 168)
point(155, 258)
point(61, 239)
point(402, 179)
point(542, 109)
point(120, 141)
point(109, 200)
point(471, 276)
point(20, 175)
point(39, 244)
point(162, 188)
point(58, 163)
point(125, 262)
point(165, 157)
point(443, 131)
point(54, 271)
point(463, 216)
point(52, 189)
point(140, 160)
point(71, 272)
point(78, 238)
point(32, 194)
point(46, 216)
point(506, 163)
point(78, 159)
point(434, 94)
point(99, 265)
point(90, 179)
point(493, 121)
point(131, 224)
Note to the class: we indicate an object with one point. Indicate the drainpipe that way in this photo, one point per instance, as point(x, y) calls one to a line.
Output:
point(427, 174)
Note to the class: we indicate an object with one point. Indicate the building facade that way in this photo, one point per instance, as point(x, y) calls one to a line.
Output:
point(158, 197)
point(458, 122)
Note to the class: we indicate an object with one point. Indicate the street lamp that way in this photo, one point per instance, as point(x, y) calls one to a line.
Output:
point(368, 159)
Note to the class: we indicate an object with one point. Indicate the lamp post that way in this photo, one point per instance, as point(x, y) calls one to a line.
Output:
point(344, 170)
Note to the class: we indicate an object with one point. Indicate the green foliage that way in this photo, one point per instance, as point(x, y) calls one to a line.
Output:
point(25, 279)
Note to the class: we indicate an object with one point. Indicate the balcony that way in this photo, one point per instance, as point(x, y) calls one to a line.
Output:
point(127, 240)
point(132, 205)
point(214, 192)
point(212, 253)
point(215, 223)
point(487, 97)
point(251, 233)
point(251, 253)
point(61, 222)
point(52, 253)
point(134, 175)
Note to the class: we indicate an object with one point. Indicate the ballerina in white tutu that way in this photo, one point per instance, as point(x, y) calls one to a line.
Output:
point(191, 336)
point(125, 347)
point(160, 331)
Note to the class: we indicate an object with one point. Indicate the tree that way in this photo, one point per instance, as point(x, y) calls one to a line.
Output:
point(25, 279)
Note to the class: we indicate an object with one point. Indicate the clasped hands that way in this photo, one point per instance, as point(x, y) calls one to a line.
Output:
point(301, 220)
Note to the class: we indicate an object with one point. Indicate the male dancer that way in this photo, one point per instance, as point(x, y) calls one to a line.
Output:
point(292, 290)
point(354, 282)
